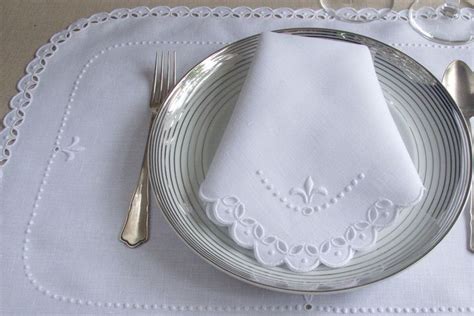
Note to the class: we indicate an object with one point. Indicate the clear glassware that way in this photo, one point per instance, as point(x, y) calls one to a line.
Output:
point(449, 23)
point(357, 11)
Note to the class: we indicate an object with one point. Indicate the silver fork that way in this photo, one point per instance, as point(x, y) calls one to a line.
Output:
point(135, 228)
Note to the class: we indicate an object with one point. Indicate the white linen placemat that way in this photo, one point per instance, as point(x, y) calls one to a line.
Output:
point(308, 174)
point(73, 147)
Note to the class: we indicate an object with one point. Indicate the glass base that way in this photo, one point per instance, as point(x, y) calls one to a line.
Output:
point(447, 24)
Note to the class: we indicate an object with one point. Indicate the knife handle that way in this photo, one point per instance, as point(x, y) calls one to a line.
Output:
point(471, 210)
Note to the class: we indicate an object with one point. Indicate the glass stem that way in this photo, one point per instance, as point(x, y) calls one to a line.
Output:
point(450, 8)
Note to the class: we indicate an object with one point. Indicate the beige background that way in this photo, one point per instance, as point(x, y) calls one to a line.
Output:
point(25, 25)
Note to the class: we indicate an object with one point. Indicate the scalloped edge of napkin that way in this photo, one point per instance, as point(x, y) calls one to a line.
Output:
point(270, 250)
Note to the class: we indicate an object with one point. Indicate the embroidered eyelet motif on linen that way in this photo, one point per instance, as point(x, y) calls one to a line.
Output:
point(271, 250)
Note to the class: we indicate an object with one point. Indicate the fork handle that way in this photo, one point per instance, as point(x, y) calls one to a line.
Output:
point(135, 229)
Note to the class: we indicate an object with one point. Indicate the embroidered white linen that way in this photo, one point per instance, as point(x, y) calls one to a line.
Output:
point(311, 165)
point(61, 218)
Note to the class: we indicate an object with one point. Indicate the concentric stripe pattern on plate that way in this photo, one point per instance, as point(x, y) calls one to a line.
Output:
point(187, 131)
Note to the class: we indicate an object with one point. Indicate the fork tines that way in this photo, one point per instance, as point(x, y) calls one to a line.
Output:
point(164, 77)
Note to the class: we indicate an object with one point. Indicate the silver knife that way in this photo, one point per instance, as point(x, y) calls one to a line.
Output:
point(458, 79)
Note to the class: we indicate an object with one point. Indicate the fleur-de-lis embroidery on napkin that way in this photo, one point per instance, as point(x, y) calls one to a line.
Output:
point(308, 191)
point(71, 150)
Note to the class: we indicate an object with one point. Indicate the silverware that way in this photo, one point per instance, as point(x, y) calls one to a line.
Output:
point(135, 228)
point(459, 81)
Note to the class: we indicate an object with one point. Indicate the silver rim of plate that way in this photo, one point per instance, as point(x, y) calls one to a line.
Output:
point(186, 134)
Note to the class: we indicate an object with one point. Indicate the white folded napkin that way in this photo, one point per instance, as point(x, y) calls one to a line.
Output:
point(305, 173)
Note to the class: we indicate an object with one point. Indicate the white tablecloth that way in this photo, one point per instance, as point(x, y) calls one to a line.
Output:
point(73, 148)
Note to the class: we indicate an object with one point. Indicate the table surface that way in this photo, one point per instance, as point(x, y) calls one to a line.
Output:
point(25, 25)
